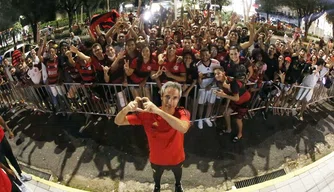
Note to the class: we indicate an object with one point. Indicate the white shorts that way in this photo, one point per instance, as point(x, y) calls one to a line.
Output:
point(57, 90)
point(206, 96)
point(304, 93)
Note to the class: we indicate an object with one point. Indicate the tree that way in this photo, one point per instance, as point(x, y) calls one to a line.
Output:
point(17, 28)
point(70, 6)
point(90, 5)
point(34, 11)
point(267, 6)
point(308, 10)
point(330, 16)
point(221, 3)
point(8, 14)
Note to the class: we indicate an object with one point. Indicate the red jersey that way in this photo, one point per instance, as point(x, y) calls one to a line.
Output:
point(141, 72)
point(98, 63)
point(221, 56)
point(173, 67)
point(87, 72)
point(16, 57)
point(237, 87)
point(165, 143)
point(5, 184)
point(52, 69)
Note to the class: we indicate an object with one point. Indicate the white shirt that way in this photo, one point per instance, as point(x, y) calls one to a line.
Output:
point(323, 72)
point(310, 80)
point(208, 71)
point(44, 73)
point(35, 75)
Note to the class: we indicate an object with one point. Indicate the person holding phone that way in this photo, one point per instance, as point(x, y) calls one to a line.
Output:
point(165, 127)
point(236, 92)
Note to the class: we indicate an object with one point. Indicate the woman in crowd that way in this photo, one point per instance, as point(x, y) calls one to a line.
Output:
point(311, 76)
point(139, 72)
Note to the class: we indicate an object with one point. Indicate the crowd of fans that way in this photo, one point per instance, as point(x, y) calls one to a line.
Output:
point(225, 59)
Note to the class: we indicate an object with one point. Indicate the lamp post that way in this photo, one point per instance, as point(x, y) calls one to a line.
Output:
point(20, 18)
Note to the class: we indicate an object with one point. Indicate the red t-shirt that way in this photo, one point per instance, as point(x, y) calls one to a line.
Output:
point(139, 75)
point(5, 184)
point(165, 143)
point(173, 67)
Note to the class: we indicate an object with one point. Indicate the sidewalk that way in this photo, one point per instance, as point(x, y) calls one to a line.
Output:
point(318, 176)
point(41, 185)
point(116, 158)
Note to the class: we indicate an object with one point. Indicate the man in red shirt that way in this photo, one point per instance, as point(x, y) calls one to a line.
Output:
point(164, 127)
point(8, 179)
point(5, 183)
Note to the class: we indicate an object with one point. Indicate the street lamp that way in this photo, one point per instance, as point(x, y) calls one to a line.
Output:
point(21, 18)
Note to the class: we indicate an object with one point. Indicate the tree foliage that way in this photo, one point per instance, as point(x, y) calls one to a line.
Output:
point(309, 10)
point(8, 14)
point(34, 11)
point(267, 6)
point(70, 6)
point(90, 5)
point(330, 16)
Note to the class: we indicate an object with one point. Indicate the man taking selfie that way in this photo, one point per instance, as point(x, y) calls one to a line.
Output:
point(165, 127)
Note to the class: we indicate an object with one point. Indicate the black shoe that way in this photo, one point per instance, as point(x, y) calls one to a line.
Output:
point(264, 115)
point(156, 189)
point(236, 139)
point(178, 188)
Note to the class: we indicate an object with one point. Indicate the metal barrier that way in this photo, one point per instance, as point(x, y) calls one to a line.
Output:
point(108, 99)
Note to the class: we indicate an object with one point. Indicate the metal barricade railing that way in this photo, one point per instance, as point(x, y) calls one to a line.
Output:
point(108, 99)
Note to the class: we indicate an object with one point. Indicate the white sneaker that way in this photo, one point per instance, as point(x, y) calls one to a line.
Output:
point(200, 124)
point(208, 122)
point(24, 188)
point(25, 177)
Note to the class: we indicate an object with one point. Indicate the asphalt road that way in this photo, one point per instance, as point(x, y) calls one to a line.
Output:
point(105, 157)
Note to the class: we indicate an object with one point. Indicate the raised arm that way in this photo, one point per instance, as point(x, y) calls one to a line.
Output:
point(114, 66)
point(70, 58)
point(251, 37)
point(80, 54)
point(176, 123)
point(121, 118)
point(139, 6)
point(42, 46)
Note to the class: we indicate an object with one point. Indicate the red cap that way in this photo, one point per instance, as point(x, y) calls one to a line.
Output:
point(288, 59)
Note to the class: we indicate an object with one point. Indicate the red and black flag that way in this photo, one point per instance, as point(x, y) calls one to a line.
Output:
point(105, 21)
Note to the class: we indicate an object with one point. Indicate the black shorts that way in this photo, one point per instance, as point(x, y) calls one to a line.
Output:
point(166, 167)
point(240, 109)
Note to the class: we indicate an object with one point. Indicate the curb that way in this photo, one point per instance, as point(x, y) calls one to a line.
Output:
point(285, 177)
point(56, 185)
point(50, 183)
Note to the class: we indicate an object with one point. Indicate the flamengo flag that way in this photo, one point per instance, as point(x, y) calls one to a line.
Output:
point(105, 20)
